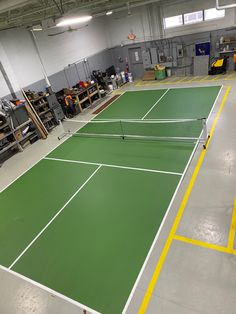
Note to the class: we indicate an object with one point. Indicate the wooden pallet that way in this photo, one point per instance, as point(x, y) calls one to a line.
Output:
point(149, 76)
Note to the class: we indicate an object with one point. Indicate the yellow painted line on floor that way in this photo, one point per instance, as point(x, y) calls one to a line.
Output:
point(206, 245)
point(231, 79)
point(218, 77)
point(118, 92)
point(181, 80)
point(194, 78)
point(232, 228)
point(161, 261)
point(204, 78)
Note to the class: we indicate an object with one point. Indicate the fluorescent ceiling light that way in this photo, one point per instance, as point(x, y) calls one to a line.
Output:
point(76, 20)
point(37, 28)
point(109, 12)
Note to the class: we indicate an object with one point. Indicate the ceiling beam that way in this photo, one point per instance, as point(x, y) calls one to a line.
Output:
point(6, 5)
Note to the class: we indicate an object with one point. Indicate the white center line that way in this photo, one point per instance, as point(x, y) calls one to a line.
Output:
point(114, 166)
point(155, 104)
point(54, 217)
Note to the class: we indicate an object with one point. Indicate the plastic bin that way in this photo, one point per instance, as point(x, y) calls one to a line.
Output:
point(160, 74)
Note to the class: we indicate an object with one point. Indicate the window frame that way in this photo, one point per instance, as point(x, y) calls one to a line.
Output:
point(192, 23)
point(214, 18)
point(169, 17)
point(196, 21)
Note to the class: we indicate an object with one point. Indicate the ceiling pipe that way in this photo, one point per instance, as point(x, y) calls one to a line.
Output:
point(119, 9)
point(131, 6)
point(7, 5)
point(34, 40)
point(87, 6)
point(222, 7)
point(35, 12)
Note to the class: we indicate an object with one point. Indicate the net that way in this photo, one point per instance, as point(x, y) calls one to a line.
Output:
point(165, 129)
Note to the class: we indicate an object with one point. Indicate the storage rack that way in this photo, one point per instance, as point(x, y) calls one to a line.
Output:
point(13, 136)
point(231, 44)
point(86, 96)
point(41, 106)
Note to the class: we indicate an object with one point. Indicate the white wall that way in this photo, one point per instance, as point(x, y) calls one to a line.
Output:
point(22, 64)
point(120, 25)
point(4, 90)
point(61, 50)
point(191, 6)
point(21, 61)
point(22, 56)
point(146, 22)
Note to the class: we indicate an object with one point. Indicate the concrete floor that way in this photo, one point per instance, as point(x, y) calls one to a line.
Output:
point(196, 276)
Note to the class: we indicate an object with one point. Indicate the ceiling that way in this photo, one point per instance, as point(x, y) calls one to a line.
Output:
point(23, 13)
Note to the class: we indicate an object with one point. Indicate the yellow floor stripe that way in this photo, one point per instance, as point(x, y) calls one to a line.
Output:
point(181, 82)
point(204, 78)
point(151, 286)
point(204, 244)
point(232, 228)
point(194, 78)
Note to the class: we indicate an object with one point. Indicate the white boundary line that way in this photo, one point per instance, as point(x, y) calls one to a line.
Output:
point(165, 217)
point(54, 217)
point(51, 291)
point(173, 86)
point(109, 104)
point(114, 166)
point(60, 143)
point(63, 297)
point(157, 102)
point(148, 121)
point(79, 305)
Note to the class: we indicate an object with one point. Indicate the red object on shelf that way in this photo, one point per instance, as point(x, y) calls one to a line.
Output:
point(81, 84)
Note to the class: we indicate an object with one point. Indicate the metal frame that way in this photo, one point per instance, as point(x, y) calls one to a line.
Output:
point(203, 138)
point(32, 13)
point(222, 7)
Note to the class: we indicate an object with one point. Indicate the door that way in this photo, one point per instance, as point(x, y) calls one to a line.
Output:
point(136, 62)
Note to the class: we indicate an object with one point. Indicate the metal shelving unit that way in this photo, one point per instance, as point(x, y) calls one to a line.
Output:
point(12, 138)
point(47, 108)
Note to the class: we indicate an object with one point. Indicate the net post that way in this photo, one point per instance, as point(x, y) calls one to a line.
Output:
point(63, 132)
point(204, 126)
point(206, 137)
point(122, 130)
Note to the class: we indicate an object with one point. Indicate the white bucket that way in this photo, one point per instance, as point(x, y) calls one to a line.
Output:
point(168, 71)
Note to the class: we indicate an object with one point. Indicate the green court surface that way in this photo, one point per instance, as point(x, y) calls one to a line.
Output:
point(81, 222)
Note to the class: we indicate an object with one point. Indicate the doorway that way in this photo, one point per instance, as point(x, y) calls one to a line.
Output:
point(136, 61)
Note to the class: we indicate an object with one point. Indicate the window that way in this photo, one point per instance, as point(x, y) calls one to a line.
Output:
point(211, 14)
point(173, 21)
point(193, 17)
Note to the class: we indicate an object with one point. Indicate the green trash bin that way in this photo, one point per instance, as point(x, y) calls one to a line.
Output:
point(160, 74)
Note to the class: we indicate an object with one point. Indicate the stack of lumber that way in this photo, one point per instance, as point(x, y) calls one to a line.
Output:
point(35, 117)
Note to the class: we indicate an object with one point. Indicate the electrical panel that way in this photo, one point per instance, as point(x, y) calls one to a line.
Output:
point(146, 59)
point(153, 52)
